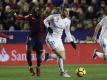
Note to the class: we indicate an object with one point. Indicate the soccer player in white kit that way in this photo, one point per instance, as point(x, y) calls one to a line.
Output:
point(56, 24)
point(102, 38)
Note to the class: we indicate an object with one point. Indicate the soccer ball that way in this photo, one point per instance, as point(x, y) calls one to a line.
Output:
point(80, 72)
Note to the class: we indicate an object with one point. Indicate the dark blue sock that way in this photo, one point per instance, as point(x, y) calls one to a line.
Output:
point(39, 60)
point(28, 56)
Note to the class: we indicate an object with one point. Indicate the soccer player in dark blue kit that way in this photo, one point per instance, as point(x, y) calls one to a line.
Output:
point(35, 38)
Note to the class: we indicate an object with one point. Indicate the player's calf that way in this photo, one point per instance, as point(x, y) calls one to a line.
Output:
point(94, 56)
point(46, 56)
point(31, 71)
point(38, 71)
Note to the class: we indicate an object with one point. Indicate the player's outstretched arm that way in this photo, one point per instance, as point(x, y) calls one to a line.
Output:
point(70, 38)
point(96, 32)
point(6, 36)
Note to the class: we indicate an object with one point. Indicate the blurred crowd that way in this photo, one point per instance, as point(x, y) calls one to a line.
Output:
point(84, 14)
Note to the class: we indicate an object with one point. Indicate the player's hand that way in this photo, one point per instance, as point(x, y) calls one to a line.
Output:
point(50, 30)
point(73, 44)
point(15, 14)
point(11, 37)
point(94, 39)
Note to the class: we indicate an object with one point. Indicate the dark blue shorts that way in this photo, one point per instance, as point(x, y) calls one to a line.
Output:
point(37, 45)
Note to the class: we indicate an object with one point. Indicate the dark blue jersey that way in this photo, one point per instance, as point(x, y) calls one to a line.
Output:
point(37, 28)
point(36, 36)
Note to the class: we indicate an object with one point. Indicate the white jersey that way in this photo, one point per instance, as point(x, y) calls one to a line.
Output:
point(58, 25)
point(103, 34)
point(103, 24)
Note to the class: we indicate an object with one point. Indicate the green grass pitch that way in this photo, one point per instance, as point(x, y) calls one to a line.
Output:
point(50, 72)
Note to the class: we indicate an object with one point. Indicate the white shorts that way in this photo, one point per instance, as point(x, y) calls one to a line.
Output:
point(103, 43)
point(55, 43)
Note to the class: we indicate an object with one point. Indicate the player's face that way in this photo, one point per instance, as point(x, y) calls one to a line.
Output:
point(65, 13)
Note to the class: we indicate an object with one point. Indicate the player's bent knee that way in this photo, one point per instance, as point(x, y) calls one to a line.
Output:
point(61, 54)
point(64, 58)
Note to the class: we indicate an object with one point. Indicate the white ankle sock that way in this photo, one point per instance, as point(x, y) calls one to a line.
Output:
point(60, 64)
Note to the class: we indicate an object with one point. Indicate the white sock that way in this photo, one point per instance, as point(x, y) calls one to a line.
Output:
point(100, 55)
point(53, 55)
point(59, 61)
point(30, 67)
point(60, 64)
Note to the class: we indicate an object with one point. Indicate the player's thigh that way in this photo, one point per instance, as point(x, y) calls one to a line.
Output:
point(38, 47)
point(103, 44)
point(28, 48)
point(55, 43)
point(57, 46)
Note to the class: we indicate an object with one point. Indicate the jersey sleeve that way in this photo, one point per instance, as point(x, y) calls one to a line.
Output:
point(69, 37)
point(102, 21)
point(47, 21)
point(4, 35)
point(19, 17)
